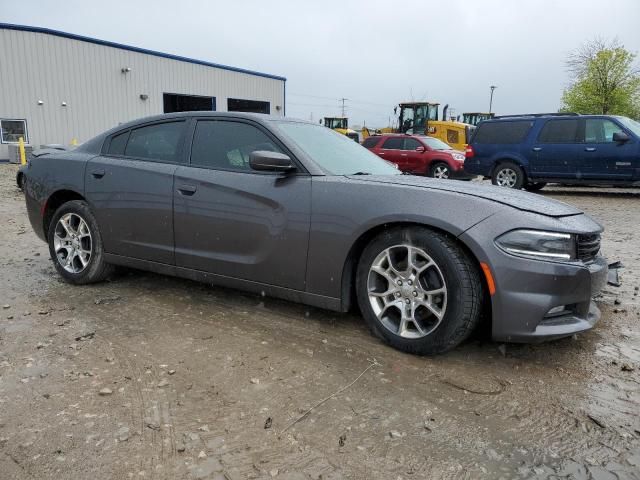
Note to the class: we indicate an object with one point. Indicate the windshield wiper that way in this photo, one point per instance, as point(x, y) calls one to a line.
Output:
point(361, 173)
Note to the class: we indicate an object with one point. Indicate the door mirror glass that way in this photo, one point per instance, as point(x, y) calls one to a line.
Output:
point(620, 137)
point(266, 161)
point(420, 149)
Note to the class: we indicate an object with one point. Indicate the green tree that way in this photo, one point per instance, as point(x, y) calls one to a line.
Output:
point(604, 80)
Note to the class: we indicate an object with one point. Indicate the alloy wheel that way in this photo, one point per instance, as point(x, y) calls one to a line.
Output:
point(72, 243)
point(407, 291)
point(506, 177)
point(441, 171)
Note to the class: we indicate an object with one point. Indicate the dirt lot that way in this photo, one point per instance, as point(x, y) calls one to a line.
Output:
point(155, 377)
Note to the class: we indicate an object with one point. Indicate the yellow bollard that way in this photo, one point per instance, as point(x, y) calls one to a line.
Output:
point(23, 155)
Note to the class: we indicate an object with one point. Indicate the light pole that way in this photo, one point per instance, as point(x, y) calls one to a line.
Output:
point(492, 87)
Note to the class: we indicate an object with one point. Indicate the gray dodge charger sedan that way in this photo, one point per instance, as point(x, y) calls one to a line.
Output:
point(294, 210)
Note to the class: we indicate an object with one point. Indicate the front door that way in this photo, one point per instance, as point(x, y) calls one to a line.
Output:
point(601, 157)
point(414, 159)
point(130, 189)
point(555, 152)
point(231, 220)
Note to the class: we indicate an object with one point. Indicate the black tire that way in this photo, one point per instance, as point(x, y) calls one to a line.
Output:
point(535, 187)
point(462, 279)
point(96, 269)
point(441, 165)
point(508, 168)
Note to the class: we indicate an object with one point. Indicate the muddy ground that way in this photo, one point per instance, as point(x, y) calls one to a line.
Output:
point(154, 377)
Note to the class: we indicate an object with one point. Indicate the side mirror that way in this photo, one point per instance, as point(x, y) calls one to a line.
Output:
point(620, 137)
point(266, 161)
point(420, 149)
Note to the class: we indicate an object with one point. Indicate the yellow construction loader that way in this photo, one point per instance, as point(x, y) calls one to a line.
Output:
point(341, 125)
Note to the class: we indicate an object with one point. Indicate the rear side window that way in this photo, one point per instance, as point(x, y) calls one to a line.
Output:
point(223, 145)
point(370, 142)
point(159, 142)
point(502, 132)
point(559, 131)
point(118, 144)
point(393, 143)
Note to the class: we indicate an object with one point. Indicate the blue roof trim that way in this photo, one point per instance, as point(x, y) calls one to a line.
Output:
point(81, 38)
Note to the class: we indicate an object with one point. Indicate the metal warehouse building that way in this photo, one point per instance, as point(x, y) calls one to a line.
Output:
point(60, 88)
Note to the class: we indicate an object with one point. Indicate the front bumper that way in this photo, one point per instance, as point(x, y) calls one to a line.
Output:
point(527, 291)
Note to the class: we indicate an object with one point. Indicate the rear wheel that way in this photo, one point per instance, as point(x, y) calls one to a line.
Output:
point(75, 244)
point(508, 174)
point(440, 170)
point(534, 187)
point(418, 290)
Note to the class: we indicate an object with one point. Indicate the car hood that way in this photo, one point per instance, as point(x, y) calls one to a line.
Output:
point(518, 199)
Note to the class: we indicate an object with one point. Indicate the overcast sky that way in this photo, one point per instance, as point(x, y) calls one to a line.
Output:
point(375, 53)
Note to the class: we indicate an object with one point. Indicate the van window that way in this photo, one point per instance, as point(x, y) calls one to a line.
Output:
point(559, 131)
point(502, 132)
point(411, 144)
point(600, 130)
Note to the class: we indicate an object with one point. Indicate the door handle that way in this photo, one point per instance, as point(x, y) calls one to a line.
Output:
point(403, 154)
point(380, 153)
point(536, 149)
point(590, 149)
point(98, 173)
point(187, 190)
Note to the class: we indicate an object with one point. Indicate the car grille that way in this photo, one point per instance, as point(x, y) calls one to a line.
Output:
point(588, 246)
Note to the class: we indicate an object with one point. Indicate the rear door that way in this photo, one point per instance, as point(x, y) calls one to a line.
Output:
point(601, 157)
point(237, 222)
point(392, 151)
point(556, 151)
point(130, 189)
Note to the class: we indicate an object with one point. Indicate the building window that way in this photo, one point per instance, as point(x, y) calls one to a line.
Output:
point(252, 106)
point(12, 130)
point(174, 102)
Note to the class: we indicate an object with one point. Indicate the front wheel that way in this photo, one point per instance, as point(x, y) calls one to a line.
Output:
point(440, 170)
point(418, 290)
point(508, 174)
point(75, 244)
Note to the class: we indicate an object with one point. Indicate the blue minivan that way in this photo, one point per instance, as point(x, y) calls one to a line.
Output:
point(529, 151)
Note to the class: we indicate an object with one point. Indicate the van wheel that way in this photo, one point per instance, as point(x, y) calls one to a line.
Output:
point(418, 290)
point(534, 187)
point(75, 244)
point(508, 174)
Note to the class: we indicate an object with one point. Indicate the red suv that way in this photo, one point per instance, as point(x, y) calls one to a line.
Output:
point(419, 155)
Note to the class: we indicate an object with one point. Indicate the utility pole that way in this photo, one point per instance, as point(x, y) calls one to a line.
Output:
point(343, 100)
point(492, 87)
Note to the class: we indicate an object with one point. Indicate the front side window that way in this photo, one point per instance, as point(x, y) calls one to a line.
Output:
point(393, 144)
point(224, 145)
point(159, 142)
point(559, 131)
point(630, 124)
point(12, 130)
point(600, 130)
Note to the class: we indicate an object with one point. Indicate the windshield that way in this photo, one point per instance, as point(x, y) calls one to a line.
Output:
point(336, 123)
point(436, 144)
point(335, 153)
point(630, 124)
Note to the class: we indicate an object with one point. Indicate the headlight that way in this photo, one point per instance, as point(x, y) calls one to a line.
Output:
point(538, 244)
point(458, 156)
